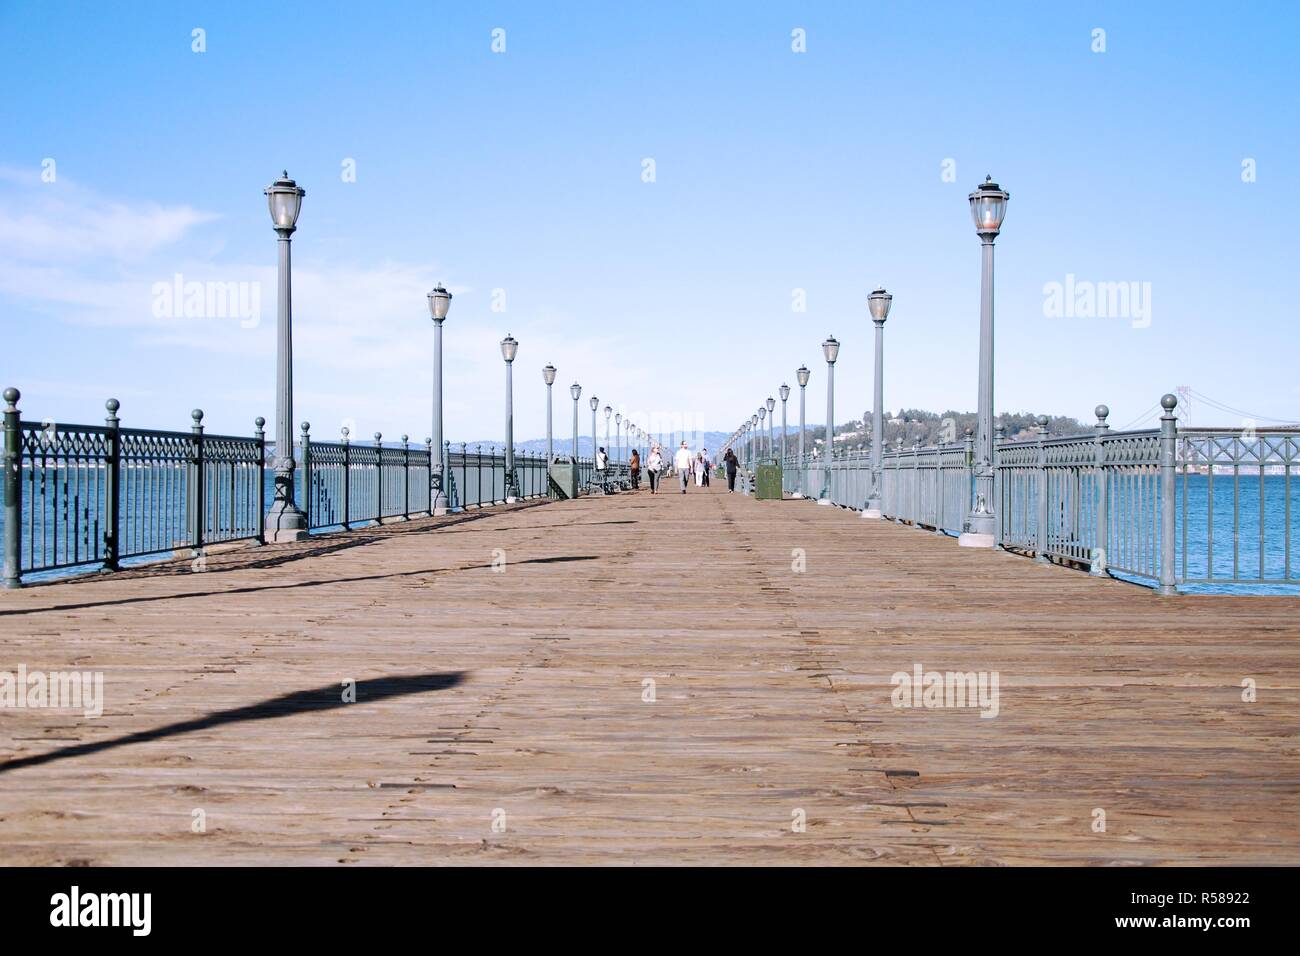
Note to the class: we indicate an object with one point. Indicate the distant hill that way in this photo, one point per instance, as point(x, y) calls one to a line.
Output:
point(909, 424)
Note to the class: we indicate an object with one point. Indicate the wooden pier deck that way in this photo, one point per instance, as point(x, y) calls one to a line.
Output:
point(516, 697)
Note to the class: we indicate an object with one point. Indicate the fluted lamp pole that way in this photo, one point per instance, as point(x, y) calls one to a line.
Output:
point(988, 207)
point(831, 352)
point(285, 521)
point(548, 376)
point(802, 375)
point(510, 348)
point(784, 392)
point(439, 304)
point(771, 427)
point(878, 303)
point(575, 390)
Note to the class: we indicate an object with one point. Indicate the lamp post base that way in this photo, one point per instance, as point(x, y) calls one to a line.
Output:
point(796, 494)
point(975, 539)
point(872, 513)
point(824, 501)
point(440, 505)
point(284, 522)
point(511, 499)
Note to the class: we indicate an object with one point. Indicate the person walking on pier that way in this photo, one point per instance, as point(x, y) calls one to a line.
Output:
point(732, 464)
point(634, 469)
point(652, 466)
point(682, 462)
point(707, 466)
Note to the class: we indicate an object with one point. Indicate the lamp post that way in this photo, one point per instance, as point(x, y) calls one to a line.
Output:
point(608, 411)
point(831, 351)
point(594, 403)
point(439, 303)
point(762, 425)
point(576, 391)
point(509, 348)
point(784, 392)
point(618, 427)
point(548, 376)
point(801, 376)
point(771, 427)
point(755, 446)
point(988, 207)
point(285, 521)
point(878, 303)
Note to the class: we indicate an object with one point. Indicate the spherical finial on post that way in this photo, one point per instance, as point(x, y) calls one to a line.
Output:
point(1169, 402)
point(379, 439)
point(197, 415)
point(260, 422)
point(345, 432)
point(305, 427)
point(405, 438)
point(11, 396)
point(1101, 411)
point(112, 405)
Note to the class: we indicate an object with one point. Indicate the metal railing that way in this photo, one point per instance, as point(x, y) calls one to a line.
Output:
point(1164, 507)
point(96, 495)
point(92, 496)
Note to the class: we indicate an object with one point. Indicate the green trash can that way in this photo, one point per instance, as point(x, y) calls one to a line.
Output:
point(768, 481)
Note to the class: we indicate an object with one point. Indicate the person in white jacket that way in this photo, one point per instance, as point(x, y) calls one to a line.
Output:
point(682, 462)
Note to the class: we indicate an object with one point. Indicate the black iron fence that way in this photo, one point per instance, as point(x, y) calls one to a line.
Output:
point(93, 496)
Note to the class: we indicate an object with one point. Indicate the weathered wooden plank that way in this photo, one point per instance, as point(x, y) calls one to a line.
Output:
point(521, 691)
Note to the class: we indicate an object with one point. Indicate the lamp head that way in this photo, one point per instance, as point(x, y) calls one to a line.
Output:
point(988, 207)
point(284, 199)
point(439, 303)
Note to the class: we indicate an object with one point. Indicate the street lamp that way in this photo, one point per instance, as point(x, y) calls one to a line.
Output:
point(576, 391)
point(285, 521)
point(439, 303)
point(608, 411)
point(594, 403)
point(878, 303)
point(802, 375)
point(988, 207)
point(618, 427)
point(509, 348)
point(755, 446)
point(831, 351)
point(762, 423)
point(784, 392)
point(771, 427)
point(548, 376)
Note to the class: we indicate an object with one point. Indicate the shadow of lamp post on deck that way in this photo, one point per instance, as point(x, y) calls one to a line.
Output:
point(439, 304)
point(988, 207)
point(831, 352)
point(509, 348)
point(285, 521)
point(878, 303)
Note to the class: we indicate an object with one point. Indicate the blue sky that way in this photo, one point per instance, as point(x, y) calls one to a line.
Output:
point(522, 171)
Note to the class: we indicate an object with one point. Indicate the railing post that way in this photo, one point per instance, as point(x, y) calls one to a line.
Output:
point(112, 496)
point(13, 491)
point(1044, 493)
point(260, 435)
point(347, 478)
point(197, 496)
point(379, 478)
point(305, 441)
point(1168, 492)
point(406, 477)
point(999, 522)
point(1097, 566)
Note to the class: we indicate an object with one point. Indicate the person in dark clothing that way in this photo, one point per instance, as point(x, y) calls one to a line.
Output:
point(732, 465)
